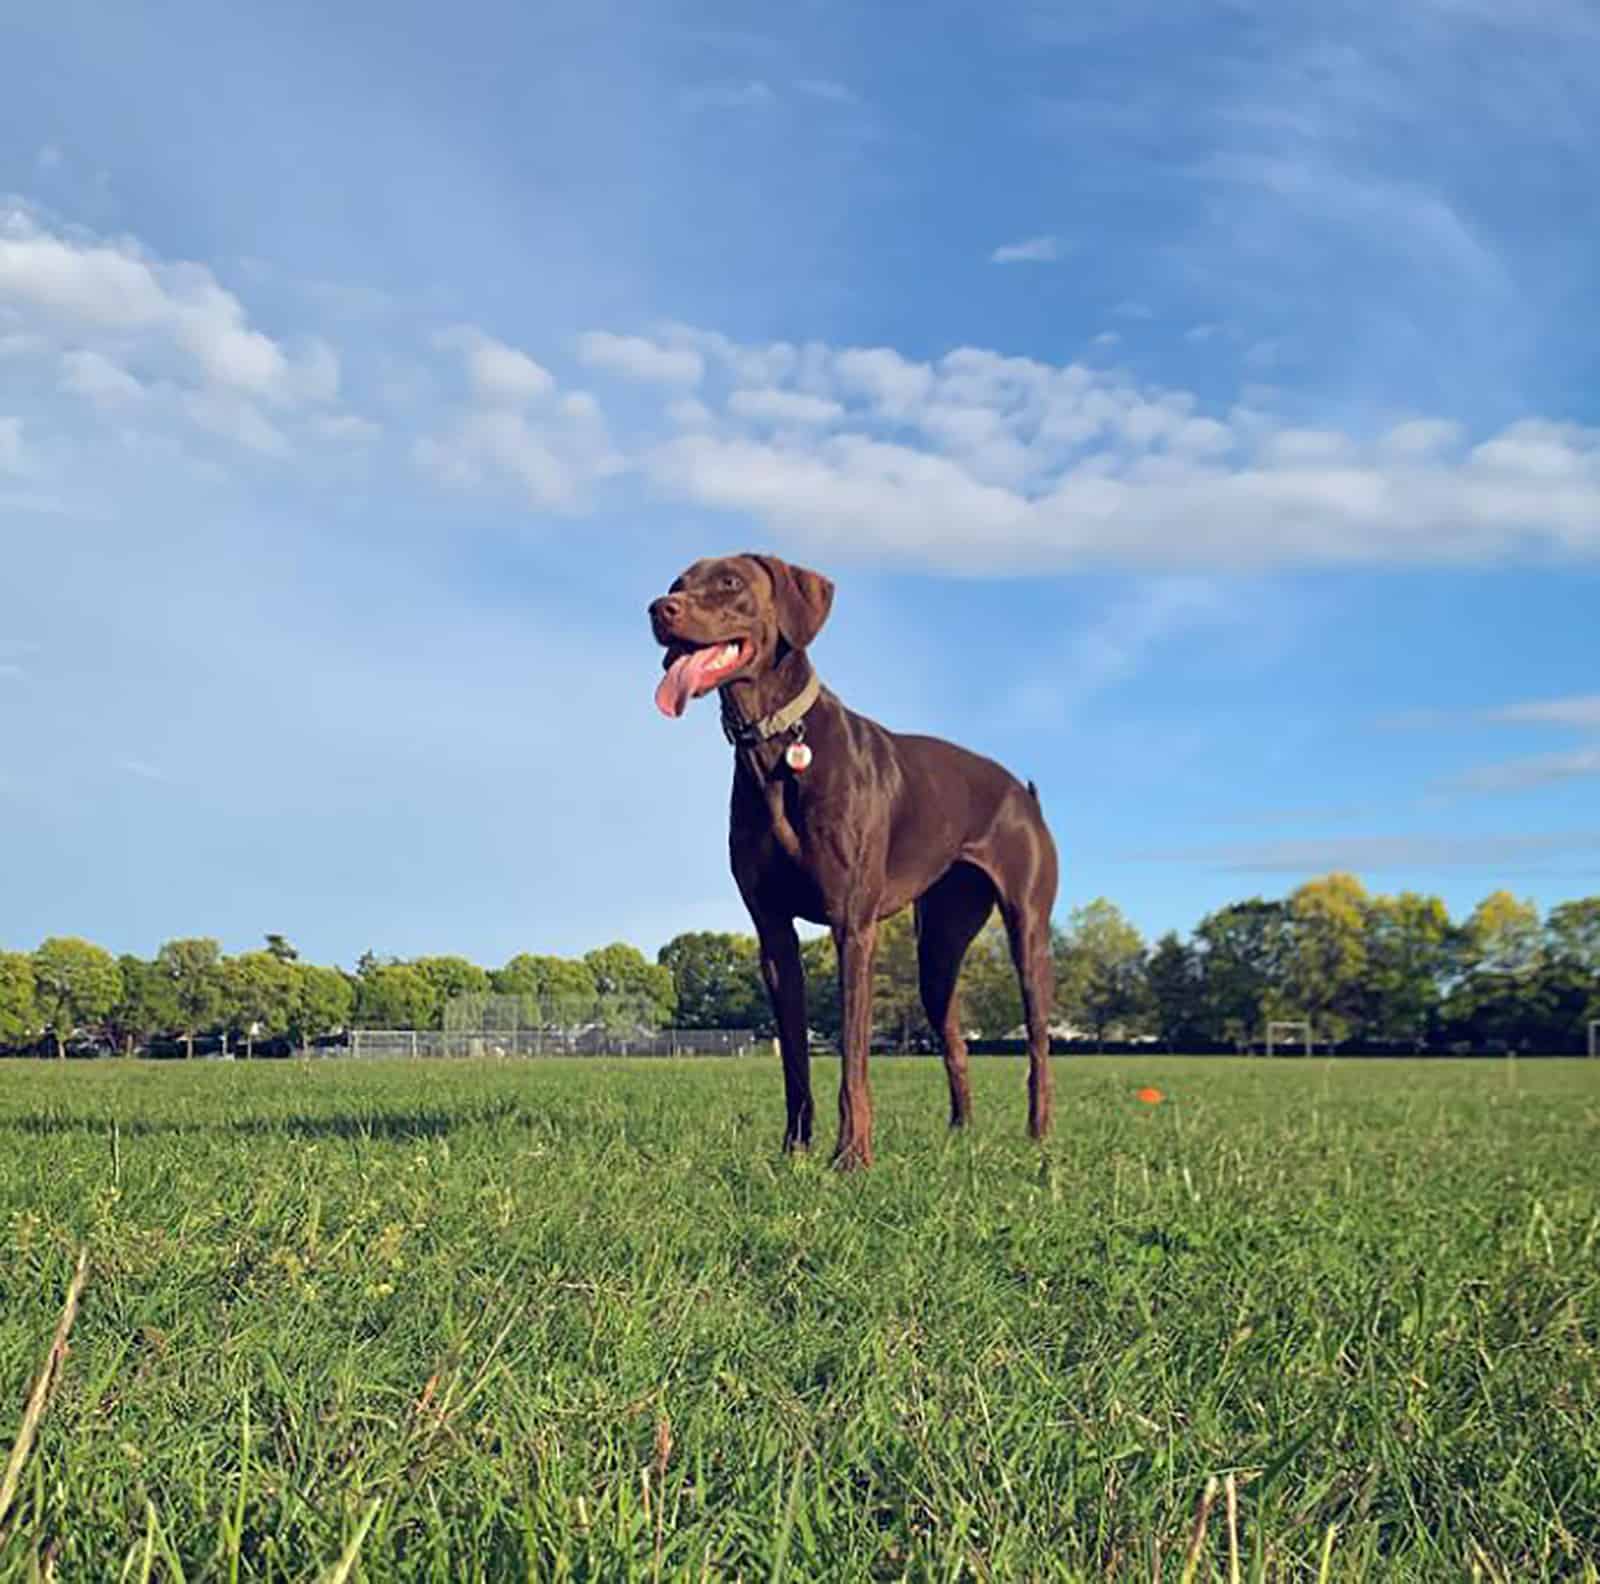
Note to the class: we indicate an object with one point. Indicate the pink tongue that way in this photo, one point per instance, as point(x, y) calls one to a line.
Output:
point(683, 679)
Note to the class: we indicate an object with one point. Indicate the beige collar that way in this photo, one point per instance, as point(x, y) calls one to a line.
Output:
point(747, 735)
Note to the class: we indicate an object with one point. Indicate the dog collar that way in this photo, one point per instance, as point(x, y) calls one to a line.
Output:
point(744, 734)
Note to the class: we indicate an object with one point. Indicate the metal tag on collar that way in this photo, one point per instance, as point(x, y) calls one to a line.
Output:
point(797, 755)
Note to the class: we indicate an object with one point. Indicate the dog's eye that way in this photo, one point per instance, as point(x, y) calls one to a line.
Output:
point(729, 580)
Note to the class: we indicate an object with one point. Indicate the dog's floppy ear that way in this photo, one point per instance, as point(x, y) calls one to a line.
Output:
point(801, 597)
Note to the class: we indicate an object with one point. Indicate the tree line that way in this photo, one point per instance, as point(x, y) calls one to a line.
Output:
point(1365, 970)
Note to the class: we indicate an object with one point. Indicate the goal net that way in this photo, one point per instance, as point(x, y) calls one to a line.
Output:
point(523, 1025)
point(1289, 1032)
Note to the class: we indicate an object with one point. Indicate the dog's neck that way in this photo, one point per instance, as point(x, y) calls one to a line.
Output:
point(757, 708)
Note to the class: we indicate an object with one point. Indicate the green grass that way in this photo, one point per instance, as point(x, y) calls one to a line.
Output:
point(579, 1320)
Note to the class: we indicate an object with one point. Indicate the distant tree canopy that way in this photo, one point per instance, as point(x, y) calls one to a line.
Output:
point(1390, 970)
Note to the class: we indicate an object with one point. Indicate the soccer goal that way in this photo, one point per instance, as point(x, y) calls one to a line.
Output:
point(1281, 1030)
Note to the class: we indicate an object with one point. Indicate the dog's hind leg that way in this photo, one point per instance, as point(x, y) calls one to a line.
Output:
point(1025, 874)
point(949, 915)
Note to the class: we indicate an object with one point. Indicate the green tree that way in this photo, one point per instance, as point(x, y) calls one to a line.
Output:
point(623, 976)
point(75, 984)
point(1572, 969)
point(280, 948)
point(324, 1000)
point(193, 969)
point(259, 990)
point(896, 997)
point(1174, 991)
point(146, 1007)
point(1071, 969)
point(1572, 934)
point(824, 1013)
point(563, 988)
point(19, 1012)
point(1495, 998)
point(718, 980)
point(1107, 957)
point(1242, 950)
point(395, 996)
point(451, 977)
point(1327, 954)
point(1410, 945)
point(991, 998)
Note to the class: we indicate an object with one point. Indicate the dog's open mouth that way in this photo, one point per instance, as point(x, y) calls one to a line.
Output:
point(693, 669)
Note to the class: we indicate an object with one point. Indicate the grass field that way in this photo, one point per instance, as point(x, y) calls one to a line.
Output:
point(579, 1320)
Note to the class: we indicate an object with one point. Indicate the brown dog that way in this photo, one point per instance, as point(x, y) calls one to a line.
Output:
point(840, 822)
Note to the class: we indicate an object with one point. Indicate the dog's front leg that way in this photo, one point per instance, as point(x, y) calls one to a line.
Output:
point(854, 945)
point(783, 972)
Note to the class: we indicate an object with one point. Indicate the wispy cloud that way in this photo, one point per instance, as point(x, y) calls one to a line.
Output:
point(1577, 711)
point(639, 358)
point(1581, 710)
point(499, 373)
point(1361, 854)
point(826, 88)
point(754, 94)
point(1115, 648)
point(1037, 250)
point(1536, 770)
point(139, 768)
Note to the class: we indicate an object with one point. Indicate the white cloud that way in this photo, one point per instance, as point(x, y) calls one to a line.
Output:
point(769, 406)
point(687, 413)
point(1037, 250)
point(348, 428)
point(551, 461)
point(1420, 436)
point(236, 418)
point(825, 88)
point(983, 462)
point(1364, 854)
point(93, 311)
point(895, 386)
point(499, 373)
point(1537, 770)
point(636, 357)
point(1581, 710)
point(751, 95)
point(1107, 338)
point(314, 373)
point(10, 445)
point(97, 378)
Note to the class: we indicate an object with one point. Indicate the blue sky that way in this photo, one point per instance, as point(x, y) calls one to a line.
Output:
point(1197, 408)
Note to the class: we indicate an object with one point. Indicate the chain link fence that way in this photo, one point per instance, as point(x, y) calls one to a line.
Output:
point(378, 1044)
point(523, 1025)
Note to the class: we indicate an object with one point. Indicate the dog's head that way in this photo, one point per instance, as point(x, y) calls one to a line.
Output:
point(731, 619)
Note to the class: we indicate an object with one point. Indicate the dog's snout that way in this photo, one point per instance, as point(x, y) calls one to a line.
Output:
point(666, 609)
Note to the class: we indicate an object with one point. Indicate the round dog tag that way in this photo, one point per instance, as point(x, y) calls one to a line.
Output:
point(797, 757)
